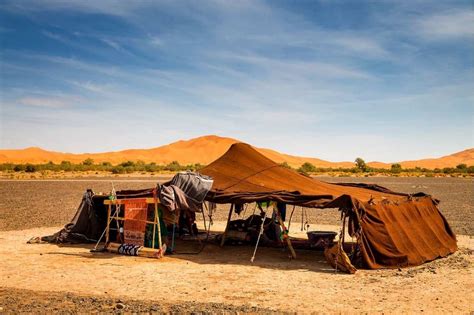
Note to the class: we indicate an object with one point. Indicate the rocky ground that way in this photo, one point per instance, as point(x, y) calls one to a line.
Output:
point(29, 301)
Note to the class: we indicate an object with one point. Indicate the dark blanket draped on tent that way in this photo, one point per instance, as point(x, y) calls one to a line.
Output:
point(394, 229)
point(185, 192)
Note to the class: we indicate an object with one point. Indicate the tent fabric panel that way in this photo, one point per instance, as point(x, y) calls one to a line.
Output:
point(244, 170)
point(414, 229)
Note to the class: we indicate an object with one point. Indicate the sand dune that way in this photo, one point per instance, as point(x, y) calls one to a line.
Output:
point(205, 150)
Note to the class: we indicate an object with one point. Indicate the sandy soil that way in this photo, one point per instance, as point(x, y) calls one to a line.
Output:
point(45, 278)
point(222, 279)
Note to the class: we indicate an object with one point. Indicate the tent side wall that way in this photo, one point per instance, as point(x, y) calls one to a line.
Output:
point(87, 224)
point(403, 234)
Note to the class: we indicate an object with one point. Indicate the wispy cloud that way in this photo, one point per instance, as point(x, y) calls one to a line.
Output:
point(448, 25)
point(114, 7)
point(111, 43)
point(156, 41)
point(44, 102)
point(296, 67)
point(53, 36)
point(90, 86)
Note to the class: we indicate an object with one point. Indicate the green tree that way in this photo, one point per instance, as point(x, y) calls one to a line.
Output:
point(396, 168)
point(307, 168)
point(173, 166)
point(128, 164)
point(448, 170)
point(198, 166)
point(462, 168)
point(118, 169)
point(30, 168)
point(88, 162)
point(19, 168)
point(66, 166)
point(286, 165)
point(360, 164)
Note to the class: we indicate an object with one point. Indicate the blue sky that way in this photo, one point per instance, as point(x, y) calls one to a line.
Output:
point(384, 80)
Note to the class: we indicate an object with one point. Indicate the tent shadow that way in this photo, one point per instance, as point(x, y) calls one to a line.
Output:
point(213, 254)
point(82, 254)
point(96, 255)
point(266, 257)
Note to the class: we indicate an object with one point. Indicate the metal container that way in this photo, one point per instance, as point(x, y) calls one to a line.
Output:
point(321, 239)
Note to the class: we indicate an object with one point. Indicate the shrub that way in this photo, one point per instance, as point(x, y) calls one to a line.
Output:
point(307, 168)
point(461, 168)
point(88, 162)
point(127, 164)
point(396, 168)
point(470, 169)
point(173, 167)
point(30, 168)
point(19, 168)
point(448, 170)
point(118, 170)
point(360, 164)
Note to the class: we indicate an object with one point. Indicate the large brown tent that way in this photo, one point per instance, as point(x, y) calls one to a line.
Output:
point(393, 229)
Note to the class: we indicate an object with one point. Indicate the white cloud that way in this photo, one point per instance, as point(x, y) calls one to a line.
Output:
point(368, 46)
point(454, 24)
point(93, 87)
point(53, 36)
point(111, 7)
point(46, 102)
point(111, 43)
point(156, 41)
point(285, 67)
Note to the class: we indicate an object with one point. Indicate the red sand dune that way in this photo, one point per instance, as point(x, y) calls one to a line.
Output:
point(205, 150)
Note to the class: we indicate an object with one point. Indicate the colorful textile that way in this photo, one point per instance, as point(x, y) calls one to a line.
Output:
point(135, 221)
point(129, 249)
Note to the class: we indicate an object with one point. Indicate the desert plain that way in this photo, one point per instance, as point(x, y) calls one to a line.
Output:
point(46, 277)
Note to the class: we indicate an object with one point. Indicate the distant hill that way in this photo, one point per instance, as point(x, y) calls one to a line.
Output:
point(206, 149)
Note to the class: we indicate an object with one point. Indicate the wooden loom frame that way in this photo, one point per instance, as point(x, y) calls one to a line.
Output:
point(144, 251)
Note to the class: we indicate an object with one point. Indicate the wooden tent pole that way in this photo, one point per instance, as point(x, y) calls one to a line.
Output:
point(107, 229)
point(227, 225)
point(157, 224)
point(282, 224)
point(154, 231)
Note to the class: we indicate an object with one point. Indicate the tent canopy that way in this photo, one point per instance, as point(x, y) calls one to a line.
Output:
point(393, 229)
point(244, 175)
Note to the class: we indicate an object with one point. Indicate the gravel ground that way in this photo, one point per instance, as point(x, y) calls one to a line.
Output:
point(37, 203)
point(16, 301)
